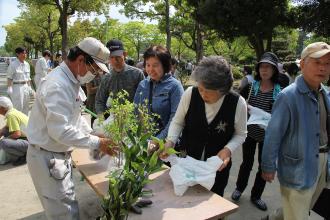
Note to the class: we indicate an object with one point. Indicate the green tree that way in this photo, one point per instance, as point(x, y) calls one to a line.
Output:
point(314, 16)
point(285, 43)
point(37, 29)
point(140, 36)
point(67, 8)
point(254, 19)
point(156, 10)
point(188, 30)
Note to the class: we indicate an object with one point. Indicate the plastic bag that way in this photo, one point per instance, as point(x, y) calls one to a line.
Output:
point(188, 171)
point(98, 128)
point(258, 117)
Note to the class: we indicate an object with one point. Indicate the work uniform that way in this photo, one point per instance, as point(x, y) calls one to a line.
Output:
point(19, 73)
point(54, 129)
point(41, 70)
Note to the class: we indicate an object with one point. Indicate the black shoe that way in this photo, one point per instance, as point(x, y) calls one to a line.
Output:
point(236, 195)
point(20, 161)
point(259, 204)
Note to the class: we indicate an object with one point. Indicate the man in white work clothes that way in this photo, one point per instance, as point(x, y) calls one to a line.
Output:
point(54, 128)
point(42, 67)
point(19, 81)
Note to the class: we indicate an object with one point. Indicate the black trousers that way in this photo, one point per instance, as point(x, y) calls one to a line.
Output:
point(221, 180)
point(249, 148)
point(321, 206)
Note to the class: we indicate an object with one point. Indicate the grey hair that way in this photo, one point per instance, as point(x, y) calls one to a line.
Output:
point(214, 73)
point(5, 103)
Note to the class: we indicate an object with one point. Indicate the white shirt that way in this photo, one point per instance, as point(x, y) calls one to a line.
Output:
point(55, 120)
point(211, 110)
point(41, 67)
point(18, 71)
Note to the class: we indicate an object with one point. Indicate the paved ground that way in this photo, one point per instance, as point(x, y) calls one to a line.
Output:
point(19, 199)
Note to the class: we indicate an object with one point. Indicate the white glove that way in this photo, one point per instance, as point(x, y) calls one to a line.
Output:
point(32, 92)
point(10, 90)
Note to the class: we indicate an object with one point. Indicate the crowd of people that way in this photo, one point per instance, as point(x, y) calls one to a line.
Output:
point(205, 120)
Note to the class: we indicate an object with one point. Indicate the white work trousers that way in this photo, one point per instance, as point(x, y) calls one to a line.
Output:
point(21, 97)
point(37, 79)
point(52, 177)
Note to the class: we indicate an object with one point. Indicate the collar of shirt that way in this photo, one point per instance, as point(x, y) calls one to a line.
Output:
point(303, 88)
point(10, 110)
point(68, 72)
point(164, 78)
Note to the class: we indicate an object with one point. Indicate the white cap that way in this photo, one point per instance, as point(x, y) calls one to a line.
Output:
point(5, 102)
point(315, 50)
point(96, 50)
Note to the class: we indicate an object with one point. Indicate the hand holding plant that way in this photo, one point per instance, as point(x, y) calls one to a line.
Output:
point(107, 146)
point(168, 149)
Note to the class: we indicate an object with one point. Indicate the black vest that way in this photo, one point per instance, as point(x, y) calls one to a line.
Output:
point(198, 134)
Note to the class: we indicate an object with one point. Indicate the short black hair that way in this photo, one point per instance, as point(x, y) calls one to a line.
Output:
point(19, 50)
point(58, 55)
point(248, 70)
point(130, 62)
point(174, 61)
point(162, 54)
point(75, 52)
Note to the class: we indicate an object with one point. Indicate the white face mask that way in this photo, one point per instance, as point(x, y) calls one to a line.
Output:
point(89, 76)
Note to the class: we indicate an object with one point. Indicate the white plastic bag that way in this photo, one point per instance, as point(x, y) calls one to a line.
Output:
point(188, 171)
point(98, 128)
point(258, 117)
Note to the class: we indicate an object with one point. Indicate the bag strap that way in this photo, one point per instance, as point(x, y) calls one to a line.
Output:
point(250, 91)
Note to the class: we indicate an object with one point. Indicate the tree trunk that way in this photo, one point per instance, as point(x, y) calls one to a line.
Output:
point(199, 42)
point(168, 29)
point(269, 41)
point(257, 44)
point(64, 32)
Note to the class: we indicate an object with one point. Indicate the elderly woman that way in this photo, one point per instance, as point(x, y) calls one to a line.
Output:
point(160, 90)
point(211, 117)
point(261, 94)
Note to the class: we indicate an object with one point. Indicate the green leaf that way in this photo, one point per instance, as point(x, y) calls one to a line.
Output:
point(137, 167)
point(153, 160)
point(157, 140)
point(171, 150)
point(131, 137)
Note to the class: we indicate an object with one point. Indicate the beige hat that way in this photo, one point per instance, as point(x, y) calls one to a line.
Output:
point(96, 50)
point(315, 50)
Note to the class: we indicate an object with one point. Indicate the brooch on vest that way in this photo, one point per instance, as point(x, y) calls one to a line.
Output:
point(221, 126)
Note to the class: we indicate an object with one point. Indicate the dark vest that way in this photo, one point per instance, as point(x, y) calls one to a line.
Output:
point(198, 134)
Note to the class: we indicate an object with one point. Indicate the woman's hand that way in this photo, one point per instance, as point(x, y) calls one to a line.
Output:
point(152, 147)
point(168, 144)
point(224, 155)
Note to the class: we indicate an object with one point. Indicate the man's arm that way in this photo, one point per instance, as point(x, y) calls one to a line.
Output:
point(102, 95)
point(15, 134)
point(275, 132)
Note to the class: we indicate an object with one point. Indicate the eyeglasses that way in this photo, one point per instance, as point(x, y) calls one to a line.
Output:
point(95, 72)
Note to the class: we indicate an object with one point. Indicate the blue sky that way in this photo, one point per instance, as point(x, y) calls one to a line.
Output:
point(9, 10)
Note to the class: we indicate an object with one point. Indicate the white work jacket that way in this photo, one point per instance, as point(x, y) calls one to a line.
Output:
point(55, 122)
point(19, 72)
point(41, 67)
